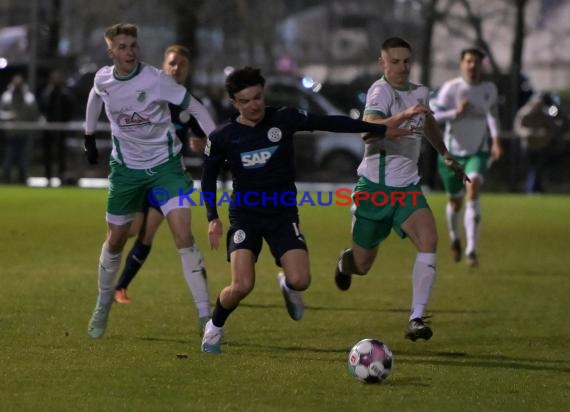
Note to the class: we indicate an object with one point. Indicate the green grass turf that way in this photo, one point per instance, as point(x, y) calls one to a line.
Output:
point(501, 331)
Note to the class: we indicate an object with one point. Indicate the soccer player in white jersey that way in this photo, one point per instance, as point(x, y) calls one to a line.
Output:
point(468, 106)
point(145, 157)
point(145, 225)
point(389, 171)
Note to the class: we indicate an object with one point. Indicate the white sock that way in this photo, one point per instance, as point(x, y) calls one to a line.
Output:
point(109, 265)
point(215, 328)
point(192, 265)
point(423, 280)
point(472, 221)
point(452, 218)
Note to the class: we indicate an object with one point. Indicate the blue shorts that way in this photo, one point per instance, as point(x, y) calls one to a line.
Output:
point(281, 233)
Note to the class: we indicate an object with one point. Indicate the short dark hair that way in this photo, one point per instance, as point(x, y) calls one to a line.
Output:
point(474, 51)
point(393, 42)
point(243, 78)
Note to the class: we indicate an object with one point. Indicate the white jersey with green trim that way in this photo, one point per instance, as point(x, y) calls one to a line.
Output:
point(137, 108)
point(394, 162)
point(467, 134)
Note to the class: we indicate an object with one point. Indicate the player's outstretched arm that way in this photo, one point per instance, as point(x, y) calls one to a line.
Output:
point(345, 124)
point(393, 123)
point(494, 127)
point(213, 160)
point(432, 133)
point(393, 130)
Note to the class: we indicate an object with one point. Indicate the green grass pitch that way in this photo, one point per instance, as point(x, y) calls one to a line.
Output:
point(501, 332)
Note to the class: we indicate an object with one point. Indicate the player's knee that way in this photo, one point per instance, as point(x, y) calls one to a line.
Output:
point(428, 242)
point(362, 265)
point(115, 244)
point(182, 239)
point(242, 288)
point(474, 187)
point(456, 203)
point(363, 269)
point(299, 283)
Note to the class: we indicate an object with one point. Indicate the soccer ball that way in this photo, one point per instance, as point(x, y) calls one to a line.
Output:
point(370, 361)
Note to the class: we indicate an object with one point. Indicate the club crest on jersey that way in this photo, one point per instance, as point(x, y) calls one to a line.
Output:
point(239, 236)
point(274, 134)
point(257, 158)
point(141, 95)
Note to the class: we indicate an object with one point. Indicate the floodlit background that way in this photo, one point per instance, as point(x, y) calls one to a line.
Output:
point(321, 55)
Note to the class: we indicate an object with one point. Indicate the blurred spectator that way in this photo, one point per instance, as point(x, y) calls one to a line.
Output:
point(17, 103)
point(535, 127)
point(57, 104)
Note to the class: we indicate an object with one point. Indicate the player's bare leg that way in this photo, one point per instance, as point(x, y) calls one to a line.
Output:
point(294, 279)
point(472, 219)
point(452, 210)
point(354, 261)
point(242, 263)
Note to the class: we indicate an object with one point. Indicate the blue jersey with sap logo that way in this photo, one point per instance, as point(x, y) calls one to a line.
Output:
point(257, 158)
point(261, 158)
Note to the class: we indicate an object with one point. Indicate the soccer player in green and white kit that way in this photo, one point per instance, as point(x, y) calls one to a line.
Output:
point(176, 63)
point(468, 105)
point(145, 157)
point(390, 166)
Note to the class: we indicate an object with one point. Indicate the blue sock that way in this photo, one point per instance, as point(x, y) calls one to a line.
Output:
point(135, 260)
point(220, 314)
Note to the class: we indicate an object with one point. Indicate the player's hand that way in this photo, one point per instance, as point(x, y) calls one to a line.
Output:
point(456, 167)
point(90, 149)
point(418, 108)
point(496, 150)
point(197, 144)
point(215, 230)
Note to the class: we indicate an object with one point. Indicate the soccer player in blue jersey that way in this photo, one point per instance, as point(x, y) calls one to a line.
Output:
point(258, 145)
point(145, 155)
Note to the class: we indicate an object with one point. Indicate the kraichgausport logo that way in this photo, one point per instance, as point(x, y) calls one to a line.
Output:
point(340, 197)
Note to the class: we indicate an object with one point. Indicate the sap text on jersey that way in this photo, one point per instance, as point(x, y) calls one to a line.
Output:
point(257, 158)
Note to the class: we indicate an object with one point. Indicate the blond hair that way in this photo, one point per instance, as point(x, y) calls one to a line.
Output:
point(120, 28)
point(178, 49)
